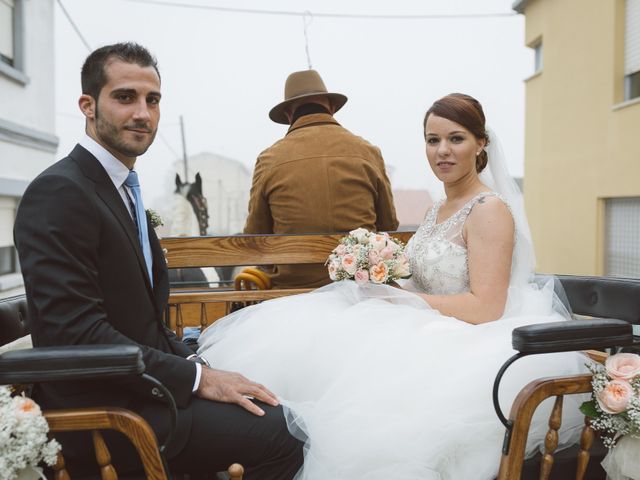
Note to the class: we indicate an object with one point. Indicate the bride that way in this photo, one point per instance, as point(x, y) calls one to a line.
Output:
point(382, 382)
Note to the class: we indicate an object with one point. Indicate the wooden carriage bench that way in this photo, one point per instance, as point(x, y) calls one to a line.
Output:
point(200, 307)
point(598, 298)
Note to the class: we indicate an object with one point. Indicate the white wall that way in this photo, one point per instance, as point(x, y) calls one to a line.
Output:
point(27, 117)
point(33, 105)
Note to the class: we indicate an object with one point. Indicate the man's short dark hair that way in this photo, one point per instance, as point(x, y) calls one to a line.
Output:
point(94, 77)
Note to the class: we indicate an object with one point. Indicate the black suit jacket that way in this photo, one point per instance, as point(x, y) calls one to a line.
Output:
point(86, 283)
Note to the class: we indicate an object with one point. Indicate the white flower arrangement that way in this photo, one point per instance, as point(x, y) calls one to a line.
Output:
point(154, 219)
point(23, 435)
point(614, 409)
point(366, 256)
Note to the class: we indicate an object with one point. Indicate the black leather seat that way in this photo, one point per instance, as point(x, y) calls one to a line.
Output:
point(13, 318)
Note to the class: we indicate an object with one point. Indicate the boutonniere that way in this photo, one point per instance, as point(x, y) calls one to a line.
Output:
point(154, 219)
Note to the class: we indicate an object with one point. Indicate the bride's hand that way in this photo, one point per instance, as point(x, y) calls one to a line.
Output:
point(231, 387)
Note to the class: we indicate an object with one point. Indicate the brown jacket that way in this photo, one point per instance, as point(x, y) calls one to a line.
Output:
point(320, 178)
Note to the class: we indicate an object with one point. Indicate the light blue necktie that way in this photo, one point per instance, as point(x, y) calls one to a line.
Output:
point(141, 221)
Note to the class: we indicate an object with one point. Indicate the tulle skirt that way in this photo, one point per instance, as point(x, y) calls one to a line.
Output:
point(380, 386)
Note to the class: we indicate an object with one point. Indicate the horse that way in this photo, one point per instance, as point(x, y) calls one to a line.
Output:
point(181, 225)
point(193, 193)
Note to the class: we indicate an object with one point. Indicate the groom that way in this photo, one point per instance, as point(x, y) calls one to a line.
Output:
point(95, 274)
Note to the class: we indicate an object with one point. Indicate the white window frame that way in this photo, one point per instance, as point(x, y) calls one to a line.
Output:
point(16, 71)
point(538, 56)
point(614, 222)
point(632, 50)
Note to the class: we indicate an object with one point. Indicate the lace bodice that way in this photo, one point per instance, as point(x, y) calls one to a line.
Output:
point(438, 251)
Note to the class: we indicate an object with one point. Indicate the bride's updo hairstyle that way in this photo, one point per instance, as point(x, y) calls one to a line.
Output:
point(466, 111)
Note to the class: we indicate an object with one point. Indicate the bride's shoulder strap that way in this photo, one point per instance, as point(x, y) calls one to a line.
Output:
point(480, 199)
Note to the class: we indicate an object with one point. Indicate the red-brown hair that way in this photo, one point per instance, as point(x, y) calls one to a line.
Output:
point(466, 111)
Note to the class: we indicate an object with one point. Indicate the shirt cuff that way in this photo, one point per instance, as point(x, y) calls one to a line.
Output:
point(196, 383)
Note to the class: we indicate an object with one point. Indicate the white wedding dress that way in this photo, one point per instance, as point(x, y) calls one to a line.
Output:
point(382, 386)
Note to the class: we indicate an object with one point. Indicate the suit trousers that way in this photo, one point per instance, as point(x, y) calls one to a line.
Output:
point(221, 434)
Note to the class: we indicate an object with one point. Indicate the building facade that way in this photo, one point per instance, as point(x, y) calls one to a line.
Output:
point(582, 147)
point(27, 112)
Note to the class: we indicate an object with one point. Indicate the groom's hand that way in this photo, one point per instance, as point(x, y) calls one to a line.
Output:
point(231, 387)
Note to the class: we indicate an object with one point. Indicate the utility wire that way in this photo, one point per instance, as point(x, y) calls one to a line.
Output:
point(328, 15)
point(75, 27)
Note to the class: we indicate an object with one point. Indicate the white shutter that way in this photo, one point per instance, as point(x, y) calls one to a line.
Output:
point(632, 37)
point(6, 28)
point(7, 215)
point(622, 237)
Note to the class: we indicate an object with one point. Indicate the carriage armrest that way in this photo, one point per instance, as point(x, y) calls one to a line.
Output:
point(76, 362)
point(572, 335)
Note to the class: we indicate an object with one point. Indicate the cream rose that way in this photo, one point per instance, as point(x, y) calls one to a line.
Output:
point(333, 270)
point(379, 273)
point(340, 249)
point(361, 277)
point(615, 397)
point(402, 269)
point(623, 366)
point(349, 264)
point(374, 257)
point(26, 408)
point(379, 241)
point(360, 234)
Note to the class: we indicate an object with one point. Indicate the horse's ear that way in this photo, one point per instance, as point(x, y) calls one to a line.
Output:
point(199, 180)
point(178, 182)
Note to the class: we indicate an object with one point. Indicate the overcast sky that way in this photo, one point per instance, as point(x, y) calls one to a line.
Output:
point(224, 71)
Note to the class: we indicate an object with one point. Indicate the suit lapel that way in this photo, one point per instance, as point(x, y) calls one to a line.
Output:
point(107, 192)
point(160, 273)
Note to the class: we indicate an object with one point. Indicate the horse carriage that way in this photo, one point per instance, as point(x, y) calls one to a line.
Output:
point(611, 305)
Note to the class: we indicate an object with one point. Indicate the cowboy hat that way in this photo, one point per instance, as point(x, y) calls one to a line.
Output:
point(306, 83)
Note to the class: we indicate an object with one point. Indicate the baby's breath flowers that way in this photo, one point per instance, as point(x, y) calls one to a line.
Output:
point(23, 435)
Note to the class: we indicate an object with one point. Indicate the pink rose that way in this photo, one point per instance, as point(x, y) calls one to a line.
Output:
point(379, 273)
point(349, 264)
point(615, 397)
point(340, 249)
point(623, 366)
point(361, 276)
point(394, 246)
point(387, 252)
point(374, 257)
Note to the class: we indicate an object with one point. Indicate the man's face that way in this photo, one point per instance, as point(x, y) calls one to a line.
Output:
point(125, 116)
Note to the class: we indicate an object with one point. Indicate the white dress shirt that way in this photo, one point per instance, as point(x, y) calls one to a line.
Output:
point(118, 173)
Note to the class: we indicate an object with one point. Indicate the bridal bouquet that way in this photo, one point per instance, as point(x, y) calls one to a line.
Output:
point(23, 436)
point(365, 256)
point(615, 405)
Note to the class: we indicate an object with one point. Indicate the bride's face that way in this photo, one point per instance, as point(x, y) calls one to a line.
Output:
point(451, 149)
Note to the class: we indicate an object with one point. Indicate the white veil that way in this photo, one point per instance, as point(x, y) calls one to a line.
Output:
point(526, 292)
point(496, 177)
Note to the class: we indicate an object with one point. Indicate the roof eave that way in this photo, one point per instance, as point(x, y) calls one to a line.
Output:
point(519, 5)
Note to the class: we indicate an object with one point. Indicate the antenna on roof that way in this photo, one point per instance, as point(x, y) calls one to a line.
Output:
point(307, 19)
